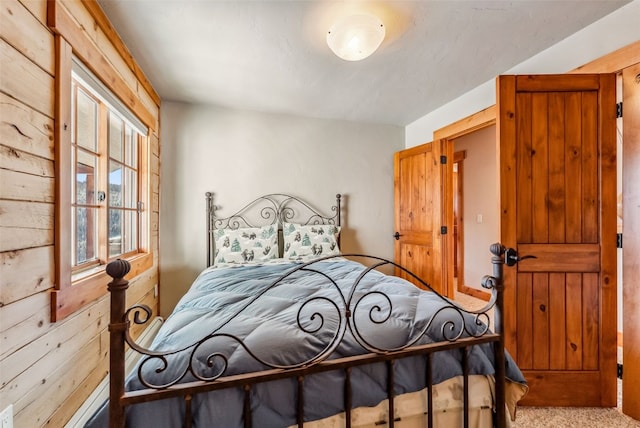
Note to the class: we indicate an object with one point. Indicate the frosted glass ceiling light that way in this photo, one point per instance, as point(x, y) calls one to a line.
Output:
point(355, 37)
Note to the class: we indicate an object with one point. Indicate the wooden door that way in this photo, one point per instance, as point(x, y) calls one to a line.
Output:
point(631, 241)
point(420, 180)
point(558, 203)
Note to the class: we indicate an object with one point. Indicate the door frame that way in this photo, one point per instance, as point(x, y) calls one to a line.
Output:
point(458, 217)
point(475, 122)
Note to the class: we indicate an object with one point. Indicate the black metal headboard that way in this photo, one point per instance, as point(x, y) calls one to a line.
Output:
point(274, 208)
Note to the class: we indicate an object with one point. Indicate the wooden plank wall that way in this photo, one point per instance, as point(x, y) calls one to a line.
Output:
point(48, 369)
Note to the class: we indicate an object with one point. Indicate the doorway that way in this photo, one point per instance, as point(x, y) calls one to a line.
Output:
point(476, 208)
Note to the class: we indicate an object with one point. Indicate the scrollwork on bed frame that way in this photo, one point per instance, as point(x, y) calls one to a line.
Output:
point(346, 308)
point(274, 208)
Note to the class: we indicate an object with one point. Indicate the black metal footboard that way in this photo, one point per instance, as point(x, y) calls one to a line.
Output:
point(346, 308)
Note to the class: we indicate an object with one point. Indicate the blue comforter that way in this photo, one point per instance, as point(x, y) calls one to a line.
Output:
point(276, 323)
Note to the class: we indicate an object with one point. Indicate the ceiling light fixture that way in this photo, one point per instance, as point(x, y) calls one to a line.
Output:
point(355, 37)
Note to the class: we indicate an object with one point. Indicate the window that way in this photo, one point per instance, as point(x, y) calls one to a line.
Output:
point(107, 213)
point(106, 119)
point(102, 180)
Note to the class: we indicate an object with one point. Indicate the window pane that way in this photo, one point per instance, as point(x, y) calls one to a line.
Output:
point(86, 125)
point(131, 149)
point(73, 182)
point(116, 136)
point(115, 232)
point(131, 226)
point(86, 179)
point(86, 235)
point(131, 189)
point(115, 184)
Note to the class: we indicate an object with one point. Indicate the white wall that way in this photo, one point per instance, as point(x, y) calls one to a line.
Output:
point(240, 155)
point(480, 186)
point(616, 30)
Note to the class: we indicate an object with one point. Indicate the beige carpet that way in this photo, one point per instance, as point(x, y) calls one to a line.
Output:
point(587, 417)
point(561, 417)
point(574, 417)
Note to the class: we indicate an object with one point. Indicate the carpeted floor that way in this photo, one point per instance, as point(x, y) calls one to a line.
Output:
point(583, 417)
point(574, 417)
point(563, 417)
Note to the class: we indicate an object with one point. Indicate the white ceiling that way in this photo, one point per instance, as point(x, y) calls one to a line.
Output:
point(272, 56)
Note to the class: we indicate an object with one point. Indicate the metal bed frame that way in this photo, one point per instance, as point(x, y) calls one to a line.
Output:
point(276, 208)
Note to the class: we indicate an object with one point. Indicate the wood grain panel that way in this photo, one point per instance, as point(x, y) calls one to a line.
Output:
point(17, 238)
point(30, 215)
point(22, 322)
point(572, 389)
point(19, 186)
point(524, 195)
point(574, 345)
point(608, 227)
point(19, 161)
point(25, 129)
point(23, 80)
point(28, 35)
point(539, 168)
point(506, 137)
point(557, 188)
point(155, 144)
point(540, 315)
point(24, 273)
point(573, 167)
point(38, 8)
point(631, 233)
point(35, 407)
point(590, 321)
point(557, 322)
point(589, 194)
point(63, 165)
point(63, 413)
point(24, 369)
point(560, 258)
point(525, 320)
point(412, 257)
point(557, 83)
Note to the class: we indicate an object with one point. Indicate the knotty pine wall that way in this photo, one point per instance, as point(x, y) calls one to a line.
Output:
point(48, 369)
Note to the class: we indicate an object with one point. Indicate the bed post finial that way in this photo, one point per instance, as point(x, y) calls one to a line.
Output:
point(339, 213)
point(117, 270)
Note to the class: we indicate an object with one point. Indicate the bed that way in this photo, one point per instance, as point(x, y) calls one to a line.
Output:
point(282, 330)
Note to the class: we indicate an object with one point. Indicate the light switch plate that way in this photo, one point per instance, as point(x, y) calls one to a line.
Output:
point(6, 417)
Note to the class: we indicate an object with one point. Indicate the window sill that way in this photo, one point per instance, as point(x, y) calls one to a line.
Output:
point(68, 299)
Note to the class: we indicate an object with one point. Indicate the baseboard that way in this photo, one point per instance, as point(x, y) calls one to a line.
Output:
point(474, 292)
point(101, 393)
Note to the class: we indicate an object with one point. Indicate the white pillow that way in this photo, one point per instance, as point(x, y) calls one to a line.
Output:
point(304, 242)
point(246, 244)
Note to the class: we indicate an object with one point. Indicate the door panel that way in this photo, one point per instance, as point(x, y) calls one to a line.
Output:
point(560, 258)
point(419, 213)
point(557, 179)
